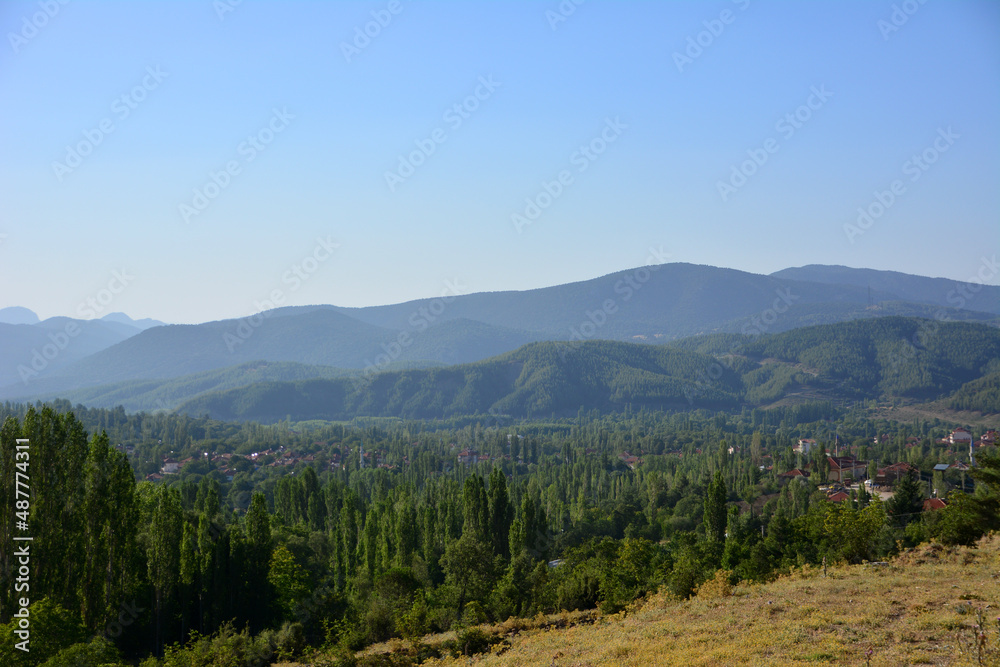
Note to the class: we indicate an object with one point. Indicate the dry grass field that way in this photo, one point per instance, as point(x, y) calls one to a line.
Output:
point(915, 610)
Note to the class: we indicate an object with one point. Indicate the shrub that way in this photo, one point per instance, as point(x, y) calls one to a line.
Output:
point(716, 587)
point(98, 651)
point(471, 642)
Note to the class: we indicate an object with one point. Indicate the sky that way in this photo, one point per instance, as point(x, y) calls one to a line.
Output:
point(195, 161)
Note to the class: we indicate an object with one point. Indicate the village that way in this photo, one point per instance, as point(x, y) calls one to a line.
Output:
point(835, 467)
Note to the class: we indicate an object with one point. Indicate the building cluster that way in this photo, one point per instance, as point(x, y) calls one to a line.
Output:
point(223, 462)
point(845, 470)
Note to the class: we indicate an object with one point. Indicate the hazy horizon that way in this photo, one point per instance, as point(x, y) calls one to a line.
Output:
point(373, 153)
point(451, 292)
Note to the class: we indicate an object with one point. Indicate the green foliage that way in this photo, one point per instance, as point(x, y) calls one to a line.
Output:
point(98, 651)
point(715, 509)
point(856, 534)
point(986, 501)
point(53, 629)
point(981, 395)
point(471, 641)
point(226, 648)
point(288, 579)
point(417, 541)
point(907, 499)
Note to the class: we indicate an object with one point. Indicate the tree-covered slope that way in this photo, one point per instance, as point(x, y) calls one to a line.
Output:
point(981, 395)
point(891, 356)
point(537, 379)
point(881, 358)
point(166, 394)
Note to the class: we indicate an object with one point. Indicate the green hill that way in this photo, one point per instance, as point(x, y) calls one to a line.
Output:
point(866, 359)
point(649, 304)
point(537, 379)
point(980, 395)
point(886, 357)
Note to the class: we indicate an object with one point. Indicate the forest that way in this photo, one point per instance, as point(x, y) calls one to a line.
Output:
point(275, 541)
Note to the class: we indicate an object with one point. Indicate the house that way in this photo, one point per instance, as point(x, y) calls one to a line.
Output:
point(960, 436)
point(838, 496)
point(934, 504)
point(794, 473)
point(988, 438)
point(805, 446)
point(629, 460)
point(468, 457)
point(959, 465)
point(941, 467)
point(170, 466)
point(842, 467)
point(889, 475)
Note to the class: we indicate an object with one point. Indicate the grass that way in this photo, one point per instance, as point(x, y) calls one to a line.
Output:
point(911, 612)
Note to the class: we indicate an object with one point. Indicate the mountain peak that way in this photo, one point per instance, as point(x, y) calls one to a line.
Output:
point(18, 315)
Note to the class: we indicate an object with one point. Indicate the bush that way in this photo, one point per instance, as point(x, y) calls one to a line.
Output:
point(98, 652)
point(227, 648)
point(716, 587)
point(53, 628)
point(288, 642)
point(470, 642)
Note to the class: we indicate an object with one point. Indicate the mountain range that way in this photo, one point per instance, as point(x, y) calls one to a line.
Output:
point(149, 365)
point(880, 359)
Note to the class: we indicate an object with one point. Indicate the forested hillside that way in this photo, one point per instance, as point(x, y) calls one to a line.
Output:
point(272, 540)
point(877, 359)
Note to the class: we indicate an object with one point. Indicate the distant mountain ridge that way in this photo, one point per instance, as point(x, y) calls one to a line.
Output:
point(17, 315)
point(650, 304)
point(939, 291)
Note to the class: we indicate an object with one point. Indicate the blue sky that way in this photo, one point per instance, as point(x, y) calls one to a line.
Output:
point(203, 82)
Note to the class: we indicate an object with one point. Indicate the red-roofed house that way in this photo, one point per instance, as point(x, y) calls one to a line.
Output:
point(889, 475)
point(629, 460)
point(842, 467)
point(794, 473)
point(468, 457)
point(934, 504)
